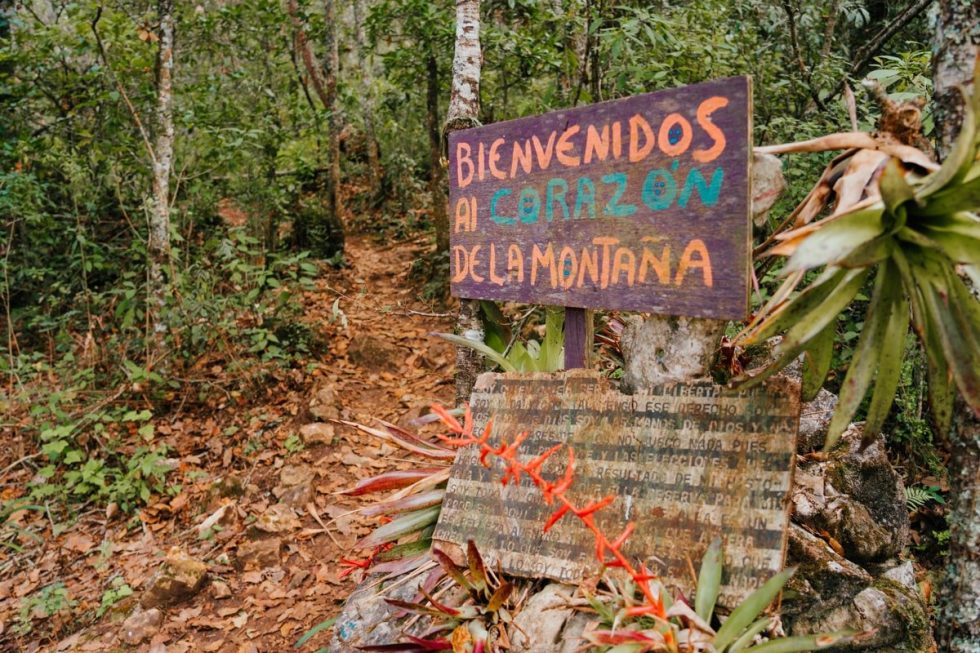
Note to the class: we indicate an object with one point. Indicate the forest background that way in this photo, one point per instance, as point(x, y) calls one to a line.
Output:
point(174, 174)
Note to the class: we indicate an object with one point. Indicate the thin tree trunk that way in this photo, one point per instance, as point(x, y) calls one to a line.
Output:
point(437, 176)
point(954, 58)
point(158, 243)
point(326, 236)
point(463, 112)
point(331, 64)
point(367, 97)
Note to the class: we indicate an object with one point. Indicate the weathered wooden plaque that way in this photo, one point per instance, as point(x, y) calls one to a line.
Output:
point(687, 461)
point(637, 204)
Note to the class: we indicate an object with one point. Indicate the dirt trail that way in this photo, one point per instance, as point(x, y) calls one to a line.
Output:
point(270, 575)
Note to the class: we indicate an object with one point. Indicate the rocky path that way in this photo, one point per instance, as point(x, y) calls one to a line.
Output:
point(239, 559)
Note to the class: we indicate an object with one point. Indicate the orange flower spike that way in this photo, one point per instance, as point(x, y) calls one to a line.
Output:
point(446, 418)
point(596, 506)
point(486, 431)
point(456, 442)
point(566, 482)
point(535, 464)
point(555, 517)
point(510, 452)
point(619, 541)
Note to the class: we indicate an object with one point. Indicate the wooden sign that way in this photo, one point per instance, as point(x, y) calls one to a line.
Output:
point(686, 461)
point(636, 204)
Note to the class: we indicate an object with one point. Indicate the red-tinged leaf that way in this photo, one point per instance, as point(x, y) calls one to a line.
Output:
point(623, 636)
point(446, 418)
point(456, 573)
point(499, 596)
point(416, 608)
point(427, 450)
point(555, 516)
point(644, 610)
point(478, 570)
point(400, 566)
point(452, 612)
point(391, 480)
point(406, 647)
point(405, 504)
point(431, 644)
point(406, 523)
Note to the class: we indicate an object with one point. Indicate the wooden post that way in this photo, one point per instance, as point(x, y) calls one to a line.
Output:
point(578, 338)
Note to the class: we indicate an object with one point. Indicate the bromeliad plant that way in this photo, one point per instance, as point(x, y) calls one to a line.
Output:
point(913, 237)
point(642, 616)
point(509, 352)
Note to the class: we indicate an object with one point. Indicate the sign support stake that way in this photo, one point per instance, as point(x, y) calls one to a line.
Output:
point(578, 338)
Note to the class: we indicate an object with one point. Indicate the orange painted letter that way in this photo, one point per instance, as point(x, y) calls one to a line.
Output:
point(463, 153)
point(594, 143)
point(564, 146)
point(704, 119)
point(494, 157)
point(637, 124)
point(702, 262)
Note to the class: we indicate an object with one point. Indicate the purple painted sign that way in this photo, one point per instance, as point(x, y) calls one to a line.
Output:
point(637, 204)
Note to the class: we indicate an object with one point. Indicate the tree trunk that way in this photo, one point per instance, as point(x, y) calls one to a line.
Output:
point(158, 242)
point(954, 58)
point(367, 98)
point(437, 176)
point(331, 64)
point(323, 233)
point(464, 108)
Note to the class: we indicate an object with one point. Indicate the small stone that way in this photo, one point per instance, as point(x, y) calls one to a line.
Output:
point(278, 519)
point(141, 626)
point(259, 554)
point(220, 590)
point(297, 496)
point(317, 433)
point(295, 475)
point(180, 578)
point(324, 406)
point(371, 353)
point(814, 421)
point(903, 574)
point(768, 183)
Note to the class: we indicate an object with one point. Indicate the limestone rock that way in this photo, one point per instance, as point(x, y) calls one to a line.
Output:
point(768, 184)
point(141, 626)
point(662, 350)
point(179, 578)
point(814, 419)
point(368, 620)
point(317, 433)
point(868, 478)
point(325, 405)
point(539, 626)
point(892, 614)
point(279, 518)
point(259, 554)
point(823, 576)
point(370, 352)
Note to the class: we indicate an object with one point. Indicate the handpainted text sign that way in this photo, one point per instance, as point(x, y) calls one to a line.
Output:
point(637, 204)
point(686, 461)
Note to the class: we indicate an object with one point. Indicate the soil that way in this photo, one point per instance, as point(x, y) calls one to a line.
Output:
point(273, 567)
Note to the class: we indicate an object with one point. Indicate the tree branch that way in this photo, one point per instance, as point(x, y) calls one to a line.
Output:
point(307, 53)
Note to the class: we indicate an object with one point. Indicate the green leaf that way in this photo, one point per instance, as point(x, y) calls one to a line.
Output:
point(861, 371)
point(494, 356)
point(749, 635)
point(312, 632)
point(800, 643)
point(890, 360)
point(835, 238)
point(895, 191)
point(408, 523)
point(817, 359)
point(810, 325)
point(960, 158)
point(963, 196)
point(709, 581)
point(552, 357)
point(778, 317)
point(749, 609)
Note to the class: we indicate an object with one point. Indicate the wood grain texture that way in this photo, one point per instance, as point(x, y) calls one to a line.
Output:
point(635, 204)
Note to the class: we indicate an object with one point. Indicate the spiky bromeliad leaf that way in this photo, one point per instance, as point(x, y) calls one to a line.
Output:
point(410, 522)
point(800, 643)
point(817, 360)
point(915, 236)
point(749, 610)
point(709, 581)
